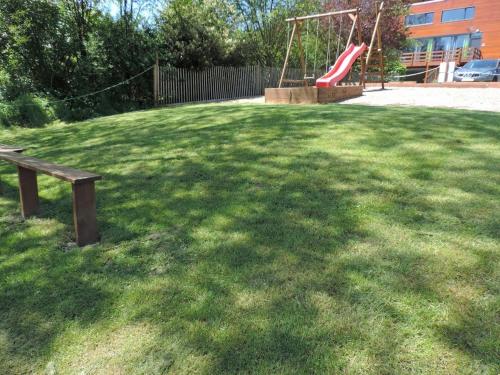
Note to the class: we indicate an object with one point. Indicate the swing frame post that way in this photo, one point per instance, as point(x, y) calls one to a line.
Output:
point(378, 35)
point(360, 38)
point(296, 31)
point(301, 52)
point(354, 20)
point(380, 48)
point(290, 42)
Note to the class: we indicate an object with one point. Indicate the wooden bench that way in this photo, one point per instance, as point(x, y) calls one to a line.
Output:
point(84, 211)
point(7, 148)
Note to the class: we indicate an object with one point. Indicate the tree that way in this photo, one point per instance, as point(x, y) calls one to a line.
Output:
point(194, 34)
point(66, 48)
point(80, 12)
point(265, 30)
point(139, 12)
point(392, 27)
point(34, 49)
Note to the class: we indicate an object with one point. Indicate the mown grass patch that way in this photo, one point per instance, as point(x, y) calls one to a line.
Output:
point(260, 239)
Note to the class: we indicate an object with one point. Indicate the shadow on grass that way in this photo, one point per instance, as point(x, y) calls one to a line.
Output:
point(244, 234)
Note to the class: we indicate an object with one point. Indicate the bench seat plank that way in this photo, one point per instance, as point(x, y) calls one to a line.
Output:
point(72, 175)
point(8, 148)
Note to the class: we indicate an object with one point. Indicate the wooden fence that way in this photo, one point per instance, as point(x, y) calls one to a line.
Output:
point(173, 85)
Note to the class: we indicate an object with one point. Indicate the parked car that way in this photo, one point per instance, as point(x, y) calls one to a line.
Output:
point(478, 71)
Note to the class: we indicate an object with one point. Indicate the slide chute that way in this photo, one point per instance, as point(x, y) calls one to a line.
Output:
point(342, 66)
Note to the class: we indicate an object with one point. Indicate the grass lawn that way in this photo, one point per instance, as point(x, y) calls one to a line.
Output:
point(260, 239)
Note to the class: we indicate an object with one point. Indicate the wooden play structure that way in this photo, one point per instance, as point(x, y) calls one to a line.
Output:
point(331, 87)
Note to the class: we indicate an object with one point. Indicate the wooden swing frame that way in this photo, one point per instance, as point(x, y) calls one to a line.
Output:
point(321, 95)
point(354, 15)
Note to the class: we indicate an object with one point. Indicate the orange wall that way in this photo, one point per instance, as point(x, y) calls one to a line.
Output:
point(486, 19)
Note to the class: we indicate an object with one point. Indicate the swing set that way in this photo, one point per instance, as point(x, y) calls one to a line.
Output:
point(329, 87)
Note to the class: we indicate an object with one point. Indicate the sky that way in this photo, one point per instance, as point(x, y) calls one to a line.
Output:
point(147, 11)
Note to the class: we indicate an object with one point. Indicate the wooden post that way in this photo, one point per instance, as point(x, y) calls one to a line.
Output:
point(301, 53)
point(84, 213)
point(290, 42)
point(28, 191)
point(376, 33)
point(379, 46)
point(360, 41)
point(156, 80)
point(351, 33)
point(372, 41)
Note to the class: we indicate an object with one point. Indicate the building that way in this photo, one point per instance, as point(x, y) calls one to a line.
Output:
point(452, 30)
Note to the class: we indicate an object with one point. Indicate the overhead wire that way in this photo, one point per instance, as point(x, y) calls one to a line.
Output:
point(88, 94)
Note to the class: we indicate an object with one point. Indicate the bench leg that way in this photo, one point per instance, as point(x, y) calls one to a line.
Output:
point(28, 190)
point(84, 213)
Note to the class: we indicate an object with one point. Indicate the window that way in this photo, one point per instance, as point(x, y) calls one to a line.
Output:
point(444, 43)
point(461, 14)
point(482, 64)
point(419, 45)
point(419, 19)
point(476, 40)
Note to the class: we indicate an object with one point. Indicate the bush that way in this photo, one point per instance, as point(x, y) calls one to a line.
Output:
point(76, 110)
point(8, 114)
point(393, 65)
point(26, 110)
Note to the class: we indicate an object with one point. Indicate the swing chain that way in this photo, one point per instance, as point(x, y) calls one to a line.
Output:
point(327, 63)
point(306, 48)
point(316, 48)
point(338, 41)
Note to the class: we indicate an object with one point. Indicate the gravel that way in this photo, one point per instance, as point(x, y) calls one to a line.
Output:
point(474, 99)
point(482, 99)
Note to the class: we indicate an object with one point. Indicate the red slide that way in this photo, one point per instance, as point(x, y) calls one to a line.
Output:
point(342, 66)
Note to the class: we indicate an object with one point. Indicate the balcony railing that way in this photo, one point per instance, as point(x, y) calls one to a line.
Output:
point(459, 55)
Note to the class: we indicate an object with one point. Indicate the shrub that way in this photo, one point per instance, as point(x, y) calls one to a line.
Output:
point(27, 111)
point(8, 114)
point(393, 65)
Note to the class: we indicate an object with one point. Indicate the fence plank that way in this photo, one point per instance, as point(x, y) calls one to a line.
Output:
point(183, 85)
